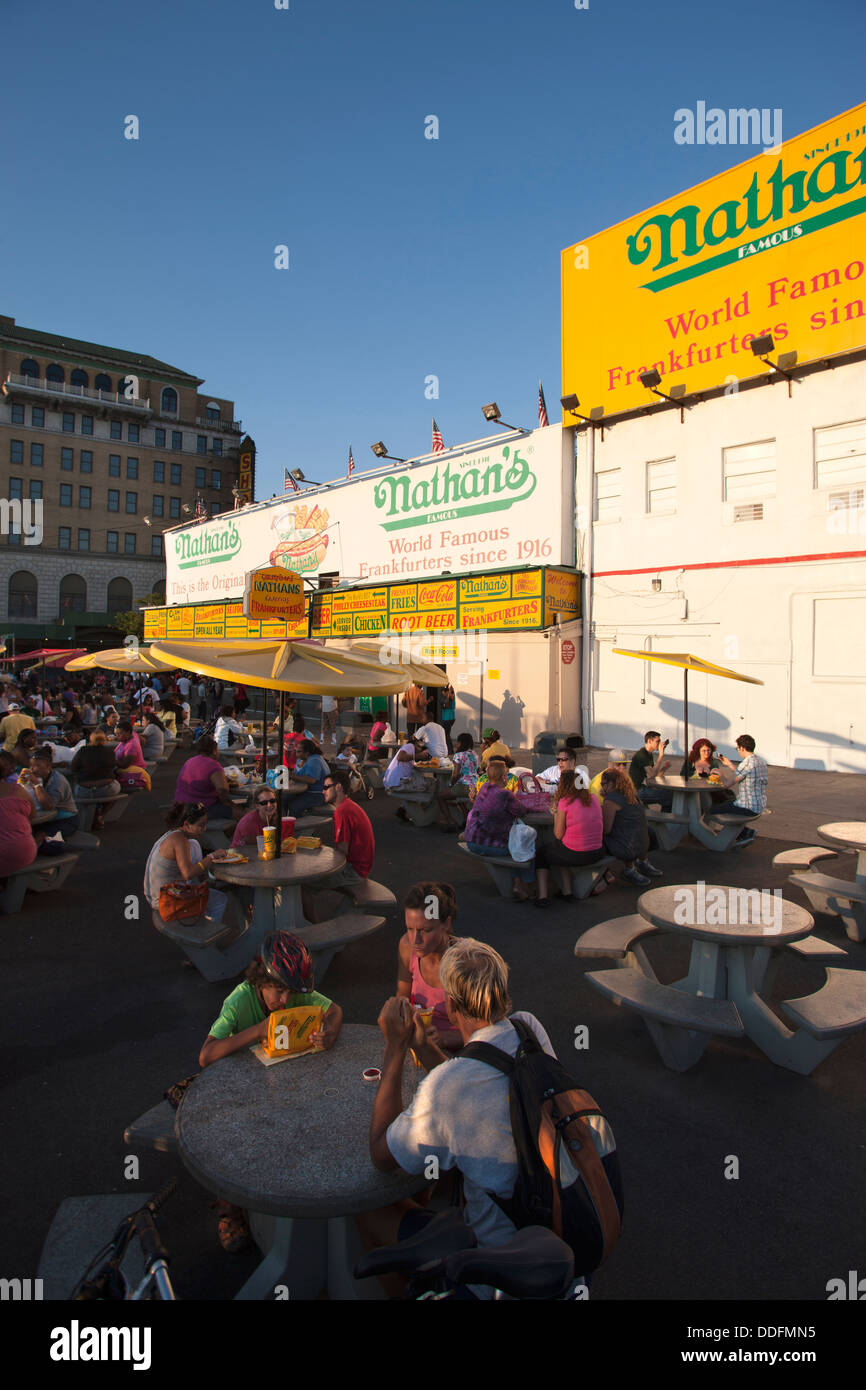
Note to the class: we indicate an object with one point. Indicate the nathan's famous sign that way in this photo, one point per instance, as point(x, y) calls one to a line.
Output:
point(487, 507)
point(776, 245)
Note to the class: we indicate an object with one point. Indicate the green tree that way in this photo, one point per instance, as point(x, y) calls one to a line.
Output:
point(132, 623)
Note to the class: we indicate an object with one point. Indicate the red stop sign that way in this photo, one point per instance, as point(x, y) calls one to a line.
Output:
point(567, 652)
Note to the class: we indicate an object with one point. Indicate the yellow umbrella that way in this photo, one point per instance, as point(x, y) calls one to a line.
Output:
point(135, 659)
point(302, 667)
point(688, 663)
point(424, 672)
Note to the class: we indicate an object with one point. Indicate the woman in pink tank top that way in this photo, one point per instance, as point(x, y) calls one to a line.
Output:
point(429, 910)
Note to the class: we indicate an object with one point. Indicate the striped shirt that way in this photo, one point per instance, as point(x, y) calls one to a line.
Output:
point(752, 776)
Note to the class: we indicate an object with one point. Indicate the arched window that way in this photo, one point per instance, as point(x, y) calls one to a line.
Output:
point(169, 401)
point(73, 594)
point(212, 413)
point(55, 373)
point(103, 382)
point(22, 594)
point(119, 596)
point(79, 378)
point(29, 367)
point(159, 591)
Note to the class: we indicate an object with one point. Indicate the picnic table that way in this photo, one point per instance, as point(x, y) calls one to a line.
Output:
point(841, 897)
point(687, 817)
point(850, 834)
point(277, 885)
point(728, 968)
point(289, 1143)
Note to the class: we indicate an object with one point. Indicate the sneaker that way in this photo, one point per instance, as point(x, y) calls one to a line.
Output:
point(645, 867)
point(541, 902)
point(632, 876)
point(745, 839)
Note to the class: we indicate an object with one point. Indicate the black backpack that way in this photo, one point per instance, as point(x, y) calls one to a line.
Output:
point(568, 1175)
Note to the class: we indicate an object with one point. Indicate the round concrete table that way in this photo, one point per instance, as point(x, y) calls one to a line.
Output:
point(686, 816)
point(847, 834)
point(729, 957)
point(290, 1143)
point(277, 884)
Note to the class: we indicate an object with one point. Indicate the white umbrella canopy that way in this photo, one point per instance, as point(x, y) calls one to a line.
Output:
point(132, 659)
point(424, 672)
point(302, 667)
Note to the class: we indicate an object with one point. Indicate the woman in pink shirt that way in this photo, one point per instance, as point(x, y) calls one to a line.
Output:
point(264, 812)
point(17, 845)
point(579, 830)
point(130, 759)
point(420, 951)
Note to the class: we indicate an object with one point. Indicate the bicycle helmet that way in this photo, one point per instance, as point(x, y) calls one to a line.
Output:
point(287, 959)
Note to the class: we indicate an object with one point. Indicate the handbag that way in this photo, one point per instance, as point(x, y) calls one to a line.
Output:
point(182, 900)
point(531, 794)
point(521, 842)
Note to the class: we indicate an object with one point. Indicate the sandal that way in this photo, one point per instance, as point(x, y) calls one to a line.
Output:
point(234, 1233)
point(600, 887)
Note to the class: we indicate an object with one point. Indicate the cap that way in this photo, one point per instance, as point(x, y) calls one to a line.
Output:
point(617, 755)
point(12, 707)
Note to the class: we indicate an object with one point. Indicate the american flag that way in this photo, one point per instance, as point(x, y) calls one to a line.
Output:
point(438, 446)
point(200, 512)
point(289, 484)
point(542, 408)
point(350, 470)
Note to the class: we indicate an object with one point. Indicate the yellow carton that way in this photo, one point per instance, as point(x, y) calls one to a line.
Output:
point(289, 1030)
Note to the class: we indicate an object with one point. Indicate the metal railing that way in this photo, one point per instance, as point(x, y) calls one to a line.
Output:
point(87, 393)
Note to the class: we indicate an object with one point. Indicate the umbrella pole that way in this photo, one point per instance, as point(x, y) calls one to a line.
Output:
point(686, 713)
point(280, 777)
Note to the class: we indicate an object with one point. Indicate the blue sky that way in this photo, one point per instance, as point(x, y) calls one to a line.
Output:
point(409, 257)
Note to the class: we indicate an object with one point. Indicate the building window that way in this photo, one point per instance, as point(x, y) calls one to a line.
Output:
point(29, 367)
point(79, 378)
point(214, 508)
point(174, 508)
point(132, 503)
point(133, 434)
point(22, 594)
point(661, 487)
point(132, 468)
point(116, 431)
point(120, 593)
point(159, 438)
point(73, 594)
point(37, 417)
point(608, 495)
point(749, 472)
point(17, 415)
point(216, 479)
point(177, 439)
point(15, 488)
point(14, 537)
point(37, 455)
point(201, 477)
point(840, 457)
point(218, 447)
point(111, 540)
point(212, 413)
point(35, 489)
point(87, 424)
point(68, 422)
point(113, 500)
point(114, 465)
point(159, 471)
point(83, 538)
point(84, 495)
point(66, 460)
point(55, 373)
point(156, 545)
point(16, 450)
point(86, 461)
point(169, 401)
point(129, 543)
point(175, 475)
point(103, 382)
point(201, 443)
point(66, 494)
point(64, 537)
point(158, 504)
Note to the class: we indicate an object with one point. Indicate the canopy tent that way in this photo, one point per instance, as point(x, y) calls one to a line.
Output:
point(49, 656)
point(688, 663)
point(133, 659)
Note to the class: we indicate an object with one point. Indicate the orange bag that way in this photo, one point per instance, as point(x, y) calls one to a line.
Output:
point(182, 900)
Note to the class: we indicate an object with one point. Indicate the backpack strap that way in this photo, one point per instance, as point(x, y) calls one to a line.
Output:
point(528, 1041)
point(492, 1056)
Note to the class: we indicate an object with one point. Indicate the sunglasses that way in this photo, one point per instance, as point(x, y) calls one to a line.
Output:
point(267, 801)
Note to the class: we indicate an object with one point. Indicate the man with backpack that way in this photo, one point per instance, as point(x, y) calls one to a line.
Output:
point(491, 1113)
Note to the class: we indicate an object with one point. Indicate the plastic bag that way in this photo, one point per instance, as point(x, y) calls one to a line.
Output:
point(521, 842)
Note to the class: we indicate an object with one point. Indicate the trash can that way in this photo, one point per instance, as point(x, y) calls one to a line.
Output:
point(545, 745)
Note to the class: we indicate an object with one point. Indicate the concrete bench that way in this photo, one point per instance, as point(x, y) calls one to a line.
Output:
point(836, 896)
point(502, 870)
point(191, 932)
point(421, 807)
point(82, 840)
point(813, 948)
point(804, 856)
point(631, 989)
point(668, 829)
point(325, 939)
point(154, 1129)
point(617, 940)
point(42, 876)
point(114, 807)
point(836, 1010)
point(367, 893)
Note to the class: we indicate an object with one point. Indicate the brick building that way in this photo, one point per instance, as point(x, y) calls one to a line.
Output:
point(117, 446)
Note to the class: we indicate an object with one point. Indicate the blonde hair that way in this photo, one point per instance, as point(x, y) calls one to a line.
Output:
point(98, 737)
point(475, 979)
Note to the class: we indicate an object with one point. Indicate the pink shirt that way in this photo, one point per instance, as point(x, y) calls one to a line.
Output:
point(249, 827)
point(428, 996)
point(584, 825)
point(131, 748)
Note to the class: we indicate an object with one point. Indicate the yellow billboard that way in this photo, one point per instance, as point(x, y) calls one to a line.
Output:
point(776, 245)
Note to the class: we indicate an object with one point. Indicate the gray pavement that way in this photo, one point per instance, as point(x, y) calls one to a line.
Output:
point(100, 1015)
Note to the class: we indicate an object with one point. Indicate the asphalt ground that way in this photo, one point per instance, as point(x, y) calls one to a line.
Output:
point(99, 1016)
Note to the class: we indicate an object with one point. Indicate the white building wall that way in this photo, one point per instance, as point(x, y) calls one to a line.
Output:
point(782, 598)
point(527, 687)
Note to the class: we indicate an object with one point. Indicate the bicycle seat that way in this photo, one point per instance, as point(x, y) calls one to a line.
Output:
point(534, 1264)
point(442, 1236)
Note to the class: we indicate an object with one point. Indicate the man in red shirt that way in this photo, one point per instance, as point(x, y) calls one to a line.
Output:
point(353, 833)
